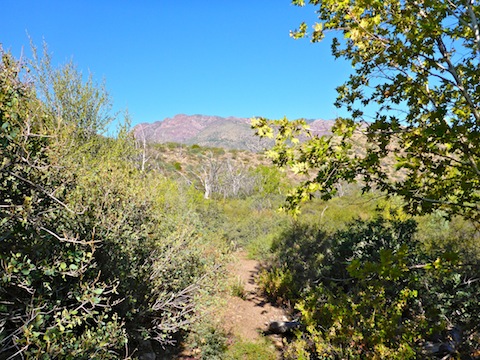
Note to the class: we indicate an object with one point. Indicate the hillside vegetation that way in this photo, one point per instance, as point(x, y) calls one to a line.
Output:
point(109, 248)
point(98, 257)
point(117, 247)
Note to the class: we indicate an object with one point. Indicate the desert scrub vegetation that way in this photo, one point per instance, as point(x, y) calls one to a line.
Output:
point(373, 290)
point(385, 287)
point(97, 255)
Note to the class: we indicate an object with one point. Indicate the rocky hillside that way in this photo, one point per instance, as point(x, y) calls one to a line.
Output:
point(211, 131)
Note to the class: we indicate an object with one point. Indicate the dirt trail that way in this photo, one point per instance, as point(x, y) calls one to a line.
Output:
point(246, 318)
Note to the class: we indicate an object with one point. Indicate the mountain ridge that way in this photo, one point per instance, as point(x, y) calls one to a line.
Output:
point(213, 131)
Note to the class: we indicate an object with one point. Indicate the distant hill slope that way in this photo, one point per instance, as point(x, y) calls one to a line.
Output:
point(212, 131)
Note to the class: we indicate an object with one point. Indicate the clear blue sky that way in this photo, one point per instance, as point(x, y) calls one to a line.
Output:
point(165, 57)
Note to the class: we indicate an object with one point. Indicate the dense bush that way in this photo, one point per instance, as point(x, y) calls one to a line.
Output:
point(97, 256)
point(53, 299)
point(372, 291)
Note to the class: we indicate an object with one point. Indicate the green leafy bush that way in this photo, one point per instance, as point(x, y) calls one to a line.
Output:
point(96, 254)
point(54, 301)
point(371, 291)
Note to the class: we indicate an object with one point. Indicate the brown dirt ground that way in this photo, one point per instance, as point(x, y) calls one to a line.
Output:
point(247, 318)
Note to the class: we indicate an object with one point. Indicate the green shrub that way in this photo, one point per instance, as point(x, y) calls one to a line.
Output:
point(238, 288)
point(209, 339)
point(95, 253)
point(177, 166)
point(195, 149)
point(371, 291)
point(278, 284)
point(54, 301)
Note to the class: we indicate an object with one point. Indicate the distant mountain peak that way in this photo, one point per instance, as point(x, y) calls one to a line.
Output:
point(211, 131)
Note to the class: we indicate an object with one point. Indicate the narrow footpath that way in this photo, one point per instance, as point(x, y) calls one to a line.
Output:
point(248, 317)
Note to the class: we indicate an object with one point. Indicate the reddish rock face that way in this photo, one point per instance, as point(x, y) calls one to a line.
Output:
point(212, 131)
point(180, 128)
point(321, 127)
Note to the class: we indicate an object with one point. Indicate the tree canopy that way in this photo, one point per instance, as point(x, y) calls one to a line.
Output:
point(414, 93)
